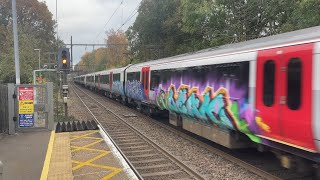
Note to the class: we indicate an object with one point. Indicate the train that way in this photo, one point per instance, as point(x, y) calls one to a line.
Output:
point(262, 93)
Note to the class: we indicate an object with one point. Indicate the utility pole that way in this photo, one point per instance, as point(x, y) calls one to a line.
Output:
point(71, 54)
point(57, 24)
point(16, 42)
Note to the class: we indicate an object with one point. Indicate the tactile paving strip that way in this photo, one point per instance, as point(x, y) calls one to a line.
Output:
point(60, 163)
point(91, 158)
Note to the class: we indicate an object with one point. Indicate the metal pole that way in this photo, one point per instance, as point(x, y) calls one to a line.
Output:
point(16, 42)
point(34, 77)
point(65, 95)
point(57, 12)
point(39, 59)
point(71, 54)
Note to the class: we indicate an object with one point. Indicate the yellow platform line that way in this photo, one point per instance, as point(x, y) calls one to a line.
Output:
point(46, 164)
point(92, 132)
point(81, 147)
point(88, 149)
point(86, 137)
point(80, 164)
point(115, 171)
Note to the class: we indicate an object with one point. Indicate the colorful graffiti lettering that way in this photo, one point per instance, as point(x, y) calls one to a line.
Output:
point(135, 90)
point(262, 125)
point(117, 87)
point(211, 107)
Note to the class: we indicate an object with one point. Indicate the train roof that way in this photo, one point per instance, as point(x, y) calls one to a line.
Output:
point(290, 38)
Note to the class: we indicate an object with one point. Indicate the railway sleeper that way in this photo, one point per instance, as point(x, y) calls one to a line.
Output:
point(148, 160)
point(142, 155)
point(154, 166)
point(161, 173)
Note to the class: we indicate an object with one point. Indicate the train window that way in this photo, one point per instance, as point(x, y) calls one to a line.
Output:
point(294, 83)
point(108, 79)
point(147, 80)
point(130, 76)
point(165, 75)
point(136, 76)
point(268, 83)
point(101, 79)
point(155, 80)
point(142, 78)
point(116, 77)
point(105, 79)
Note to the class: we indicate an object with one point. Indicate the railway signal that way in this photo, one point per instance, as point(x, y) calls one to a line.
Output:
point(64, 59)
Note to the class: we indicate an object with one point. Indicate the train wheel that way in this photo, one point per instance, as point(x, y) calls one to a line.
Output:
point(149, 111)
point(139, 108)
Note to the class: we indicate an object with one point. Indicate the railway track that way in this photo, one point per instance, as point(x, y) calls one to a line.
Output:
point(262, 166)
point(147, 159)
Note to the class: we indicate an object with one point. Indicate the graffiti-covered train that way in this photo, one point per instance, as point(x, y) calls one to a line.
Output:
point(263, 93)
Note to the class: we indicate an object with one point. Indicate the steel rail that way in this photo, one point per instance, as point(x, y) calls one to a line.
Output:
point(221, 153)
point(117, 147)
point(214, 150)
point(183, 166)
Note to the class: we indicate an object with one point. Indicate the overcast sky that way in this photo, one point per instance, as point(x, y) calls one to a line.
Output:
point(85, 20)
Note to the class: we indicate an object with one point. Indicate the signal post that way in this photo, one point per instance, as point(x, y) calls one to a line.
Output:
point(64, 66)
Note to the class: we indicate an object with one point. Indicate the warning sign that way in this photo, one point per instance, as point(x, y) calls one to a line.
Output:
point(26, 106)
point(25, 93)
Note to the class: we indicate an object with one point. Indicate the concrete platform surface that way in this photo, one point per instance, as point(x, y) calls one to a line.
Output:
point(23, 154)
point(84, 155)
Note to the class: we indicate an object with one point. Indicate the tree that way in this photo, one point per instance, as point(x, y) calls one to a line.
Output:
point(93, 61)
point(155, 23)
point(305, 14)
point(117, 49)
point(179, 26)
point(36, 30)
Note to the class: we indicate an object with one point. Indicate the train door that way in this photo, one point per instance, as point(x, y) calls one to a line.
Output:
point(284, 95)
point(110, 81)
point(267, 95)
point(296, 115)
point(145, 79)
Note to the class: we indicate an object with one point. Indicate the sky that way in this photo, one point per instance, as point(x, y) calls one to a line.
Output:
point(87, 20)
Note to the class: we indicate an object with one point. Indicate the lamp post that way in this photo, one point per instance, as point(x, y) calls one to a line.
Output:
point(39, 56)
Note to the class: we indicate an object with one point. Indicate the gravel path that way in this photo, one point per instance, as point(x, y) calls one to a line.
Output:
point(76, 108)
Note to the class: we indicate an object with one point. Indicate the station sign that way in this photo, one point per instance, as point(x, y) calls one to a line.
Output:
point(26, 106)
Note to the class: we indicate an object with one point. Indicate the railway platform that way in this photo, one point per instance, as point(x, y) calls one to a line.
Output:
point(69, 155)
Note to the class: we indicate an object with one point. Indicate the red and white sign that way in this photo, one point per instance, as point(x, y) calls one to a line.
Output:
point(26, 93)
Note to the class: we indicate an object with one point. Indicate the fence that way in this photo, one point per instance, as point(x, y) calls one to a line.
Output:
point(34, 106)
point(4, 123)
point(26, 107)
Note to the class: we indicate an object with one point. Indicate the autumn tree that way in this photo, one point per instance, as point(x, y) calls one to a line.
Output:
point(93, 61)
point(117, 49)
